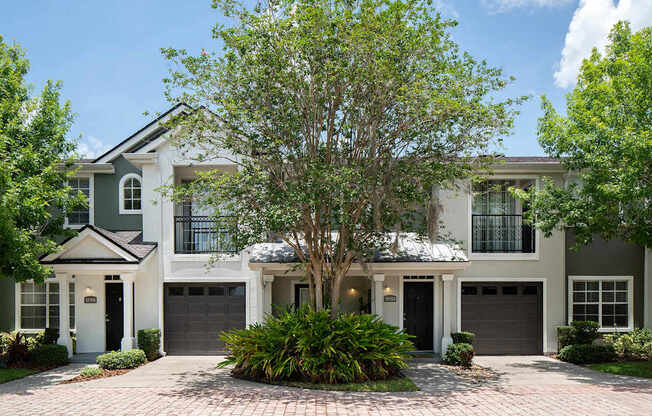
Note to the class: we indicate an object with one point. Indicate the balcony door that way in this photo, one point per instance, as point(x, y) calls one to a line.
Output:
point(497, 219)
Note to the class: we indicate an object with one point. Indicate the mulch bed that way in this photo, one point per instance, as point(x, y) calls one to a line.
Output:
point(475, 374)
point(105, 374)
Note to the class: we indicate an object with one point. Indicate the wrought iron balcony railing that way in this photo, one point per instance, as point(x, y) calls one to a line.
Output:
point(199, 235)
point(501, 234)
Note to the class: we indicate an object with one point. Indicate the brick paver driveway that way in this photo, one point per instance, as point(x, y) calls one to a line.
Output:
point(191, 385)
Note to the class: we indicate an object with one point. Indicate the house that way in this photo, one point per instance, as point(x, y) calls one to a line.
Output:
point(139, 261)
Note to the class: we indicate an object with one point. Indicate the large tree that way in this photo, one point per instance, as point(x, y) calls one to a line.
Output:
point(605, 140)
point(33, 154)
point(342, 117)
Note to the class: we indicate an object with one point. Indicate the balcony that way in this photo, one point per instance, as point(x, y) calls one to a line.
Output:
point(199, 235)
point(501, 233)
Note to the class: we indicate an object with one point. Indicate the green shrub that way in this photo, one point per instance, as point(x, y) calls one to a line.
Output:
point(587, 353)
point(91, 371)
point(564, 337)
point(149, 340)
point(636, 344)
point(584, 332)
point(49, 354)
point(117, 360)
point(16, 349)
point(305, 345)
point(463, 337)
point(459, 354)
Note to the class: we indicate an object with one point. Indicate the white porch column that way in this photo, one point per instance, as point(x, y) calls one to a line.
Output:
point(64, 312)
point(127, 342)
point(268, 279)
point(378, 294)
point(447, 314)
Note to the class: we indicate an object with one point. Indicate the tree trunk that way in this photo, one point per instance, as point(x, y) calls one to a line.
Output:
point(335, 294)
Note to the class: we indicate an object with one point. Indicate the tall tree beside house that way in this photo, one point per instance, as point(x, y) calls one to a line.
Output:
point(342, 117)
point(33, 145)
point(605, 140)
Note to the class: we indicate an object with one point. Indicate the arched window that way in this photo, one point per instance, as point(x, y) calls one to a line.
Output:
point(130, 194)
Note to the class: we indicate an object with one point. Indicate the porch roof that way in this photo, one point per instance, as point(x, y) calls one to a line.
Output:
point(119, 247)
point(410, 249)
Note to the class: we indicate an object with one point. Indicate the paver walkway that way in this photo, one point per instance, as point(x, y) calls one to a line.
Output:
point(193, 386)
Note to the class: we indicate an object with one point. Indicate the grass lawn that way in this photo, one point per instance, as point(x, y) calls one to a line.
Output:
point(8, 374)
point(395, 384)
point(628, 368)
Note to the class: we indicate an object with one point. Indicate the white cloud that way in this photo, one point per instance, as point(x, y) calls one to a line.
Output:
point(91, 147)
point(590, 28)
point(504, 5)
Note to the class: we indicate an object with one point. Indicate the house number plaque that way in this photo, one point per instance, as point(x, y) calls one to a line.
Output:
point(90, 299)
point(390, 298)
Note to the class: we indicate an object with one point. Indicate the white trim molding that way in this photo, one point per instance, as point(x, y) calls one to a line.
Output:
point(600, 279)
point(542, 280)
point(121, 194)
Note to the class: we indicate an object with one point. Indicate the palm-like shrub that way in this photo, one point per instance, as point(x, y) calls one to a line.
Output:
point(312, 346)
point(15, 345)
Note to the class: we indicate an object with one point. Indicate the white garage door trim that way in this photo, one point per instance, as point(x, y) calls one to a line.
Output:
point(542, 280)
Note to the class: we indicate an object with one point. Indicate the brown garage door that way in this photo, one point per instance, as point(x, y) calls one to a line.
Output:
point(196, 313)
point(506, 317)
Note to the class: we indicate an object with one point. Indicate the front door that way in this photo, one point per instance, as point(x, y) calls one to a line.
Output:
point(418, 313)
point(114, 316)
point(301, 295)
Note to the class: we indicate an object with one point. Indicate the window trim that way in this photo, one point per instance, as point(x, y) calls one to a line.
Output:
point(91, 202)
point(121, 209)
point(630, 299)
point(500, 256)
point(19, 304)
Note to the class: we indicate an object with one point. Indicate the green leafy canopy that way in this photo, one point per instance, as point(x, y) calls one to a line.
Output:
point(605, 140)
point(33, 146)
point(342, 117)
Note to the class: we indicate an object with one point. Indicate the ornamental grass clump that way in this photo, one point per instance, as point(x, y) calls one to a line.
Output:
point(306, 345)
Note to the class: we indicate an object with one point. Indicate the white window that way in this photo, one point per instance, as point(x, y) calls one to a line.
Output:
point(81, 216)
point(39, 305)
point(606, 300)
point(130, 190)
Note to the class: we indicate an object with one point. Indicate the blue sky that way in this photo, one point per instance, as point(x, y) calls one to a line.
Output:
point(107, 52)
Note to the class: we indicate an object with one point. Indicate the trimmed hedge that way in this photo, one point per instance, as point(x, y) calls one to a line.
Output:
point(564, 337)
point(49, 354)
point(311, 346)
point(118, 360)
point(459, 354)
point(584, 332)
point(149, 340)
point(463, 337)
point(587, 353)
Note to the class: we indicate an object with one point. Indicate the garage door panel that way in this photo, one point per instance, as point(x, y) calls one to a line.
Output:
point(506, 317)
point(194, 320)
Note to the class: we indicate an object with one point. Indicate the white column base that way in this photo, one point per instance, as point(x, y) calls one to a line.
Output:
point(127, 343)
point(66, 341)
point(445, 343)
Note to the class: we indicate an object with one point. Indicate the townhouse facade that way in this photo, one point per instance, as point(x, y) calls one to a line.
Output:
point(140, 261)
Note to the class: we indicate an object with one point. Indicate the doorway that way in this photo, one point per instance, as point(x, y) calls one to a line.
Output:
point(114, 317)
point(418, 313)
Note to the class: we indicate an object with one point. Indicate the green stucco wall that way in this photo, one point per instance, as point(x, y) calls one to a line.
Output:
point(106, 199)
point(7, 303)
point(609, 258)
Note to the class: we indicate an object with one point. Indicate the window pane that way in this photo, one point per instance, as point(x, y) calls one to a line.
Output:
point(127, 193)
point(607, 285)
point(608, 296)
point(607, 310)
point(592, 309)
point(32, 317)
point(530, 290)
point(592, 285)
point(592, 296)
point(469, 290)
point(236, 291)
point(621, 296)
point(216, 291)
point(608, 320)
point(621, 285)
point(175, 291)
point(136, 204)
point(195, 291)
point(579, 286)
point(579, 297)
point(489, 290)
point(510, 290)
point(620, 309)
point(621, 320)
point(54, 317)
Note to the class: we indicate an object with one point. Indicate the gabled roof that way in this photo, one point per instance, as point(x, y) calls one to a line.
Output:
point(411, 249)
point(131, 141)
point(95, 245)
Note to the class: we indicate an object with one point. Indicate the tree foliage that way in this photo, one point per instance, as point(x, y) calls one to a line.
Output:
point(605, 140)
point(32, 146)
point(342, 117)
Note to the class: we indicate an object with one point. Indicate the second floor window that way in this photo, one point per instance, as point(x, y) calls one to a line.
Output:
point(80, 215)
point(497, 219)
point(130, 194)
